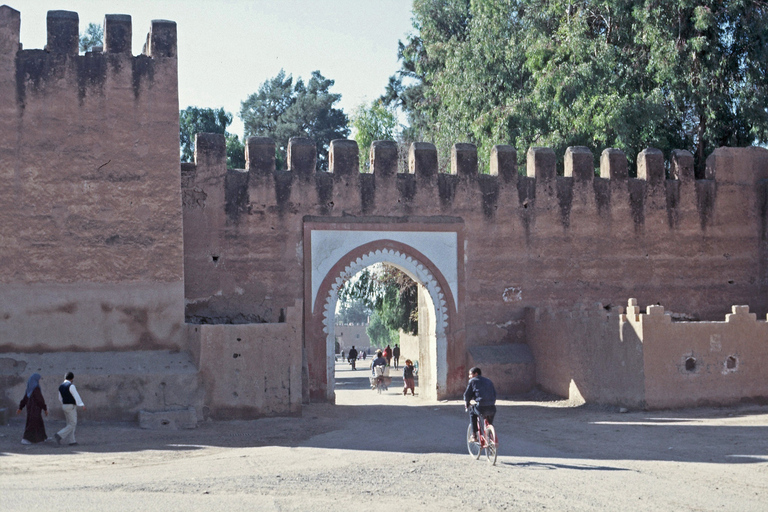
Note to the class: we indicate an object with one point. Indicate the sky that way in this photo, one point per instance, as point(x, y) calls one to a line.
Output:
point(228, 48)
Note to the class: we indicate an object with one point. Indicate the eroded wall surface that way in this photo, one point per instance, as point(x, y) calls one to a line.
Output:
point(251, 370)
point(701, 363)
point(535, 241)
point(90, 207)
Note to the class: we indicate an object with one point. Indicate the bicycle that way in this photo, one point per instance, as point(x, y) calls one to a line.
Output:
point(486, 441)
point(380, 379)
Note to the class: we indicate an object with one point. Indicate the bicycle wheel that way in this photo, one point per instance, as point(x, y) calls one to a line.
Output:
point(491, 446)
point(379, 385)
point(473, 447)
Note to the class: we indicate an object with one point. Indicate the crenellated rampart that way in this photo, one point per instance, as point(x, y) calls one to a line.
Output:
point(689, 243)
point(106, 249)
point(90, 209)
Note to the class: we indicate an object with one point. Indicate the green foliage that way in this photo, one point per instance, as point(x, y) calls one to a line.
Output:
point(93, 36)
point(235, 152)
point(194, 120)
point(389, 293)
point(612, 73)
point(380, 333)
point(353, 310)
point(282, 109)
point(377, 122)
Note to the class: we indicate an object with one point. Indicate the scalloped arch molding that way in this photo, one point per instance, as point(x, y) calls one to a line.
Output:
point(329, 247)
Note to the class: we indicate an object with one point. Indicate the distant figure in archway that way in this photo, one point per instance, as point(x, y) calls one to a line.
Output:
point(396, 355)
point(409, 381)
point(352, 357)
point(388, 354)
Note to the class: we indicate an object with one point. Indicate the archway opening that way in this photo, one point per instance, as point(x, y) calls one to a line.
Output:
point(432, 318)
point(381, 308)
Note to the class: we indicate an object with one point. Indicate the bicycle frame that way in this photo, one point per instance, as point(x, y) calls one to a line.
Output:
point(487, 440)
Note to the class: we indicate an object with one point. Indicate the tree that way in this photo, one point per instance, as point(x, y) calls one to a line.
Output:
point(282, 109)
point(93, 36)
point(612, 73)
point(353, 310)
point(377, 122)
point(380, 333)
point(389, 293)
point(194, 120)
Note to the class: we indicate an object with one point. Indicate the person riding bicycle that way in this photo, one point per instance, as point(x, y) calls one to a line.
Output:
point(379, 361)
point(481, 390)
point(352, 357)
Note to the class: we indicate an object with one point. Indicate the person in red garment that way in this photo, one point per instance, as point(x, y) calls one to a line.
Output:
point(34, 430)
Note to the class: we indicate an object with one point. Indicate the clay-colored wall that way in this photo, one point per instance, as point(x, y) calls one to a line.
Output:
point(352, 335)
point(536, 241)
point(251, 370)
point(584, 353)
point(90, 210)
point(667, 345)
point(113, 385)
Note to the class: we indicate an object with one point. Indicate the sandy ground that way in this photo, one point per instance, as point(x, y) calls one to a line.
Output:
point(385, 452)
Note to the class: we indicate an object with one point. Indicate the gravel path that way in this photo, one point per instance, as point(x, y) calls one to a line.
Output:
point(379, 452)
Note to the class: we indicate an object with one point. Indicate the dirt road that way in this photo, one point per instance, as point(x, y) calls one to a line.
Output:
point(384, 452)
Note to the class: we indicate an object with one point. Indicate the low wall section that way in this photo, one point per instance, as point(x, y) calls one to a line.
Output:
point(251, 370)
point(701, 363)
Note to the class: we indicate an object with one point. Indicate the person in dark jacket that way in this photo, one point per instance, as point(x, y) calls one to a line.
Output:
point(352, 357)
point(481, 390)
point(34, 430)
point(70, 400)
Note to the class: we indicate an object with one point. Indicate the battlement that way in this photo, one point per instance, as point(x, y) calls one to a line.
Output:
point(660, 187)
point(42, 71)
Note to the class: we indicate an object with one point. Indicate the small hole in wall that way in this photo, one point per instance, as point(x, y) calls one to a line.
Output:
point(690, 364)
point(730, 363)
point(239, 339)
point(731, 281)
point(235, 356)
point(215, 259)
point(165, 422)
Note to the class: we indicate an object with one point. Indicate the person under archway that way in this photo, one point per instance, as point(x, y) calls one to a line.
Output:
point(388, 354)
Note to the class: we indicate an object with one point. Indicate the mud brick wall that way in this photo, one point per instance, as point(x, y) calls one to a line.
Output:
point(90, 208)
point(531, 241)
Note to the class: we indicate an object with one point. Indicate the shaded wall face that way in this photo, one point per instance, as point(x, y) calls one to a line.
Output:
point(251, 370)
point(585, 354)
point(90, 213)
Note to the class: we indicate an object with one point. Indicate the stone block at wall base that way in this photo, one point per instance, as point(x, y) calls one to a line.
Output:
point(168, 420)
point(511, 367)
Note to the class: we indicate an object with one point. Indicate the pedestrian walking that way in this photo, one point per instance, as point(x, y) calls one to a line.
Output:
point(34, 429)
point(408, 378)
point(388, 354)
point(396, 355)
point(352, 356)
point(70, 401)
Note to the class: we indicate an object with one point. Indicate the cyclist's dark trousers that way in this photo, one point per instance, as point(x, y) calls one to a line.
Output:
point(487, 411)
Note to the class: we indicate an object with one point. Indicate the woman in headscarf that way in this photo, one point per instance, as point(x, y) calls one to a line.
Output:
point(33, 400)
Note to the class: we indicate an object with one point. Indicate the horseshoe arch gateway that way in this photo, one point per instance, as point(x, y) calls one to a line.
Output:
point(430, 251)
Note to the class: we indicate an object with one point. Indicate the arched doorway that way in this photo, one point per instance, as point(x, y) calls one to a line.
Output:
point(431, 258)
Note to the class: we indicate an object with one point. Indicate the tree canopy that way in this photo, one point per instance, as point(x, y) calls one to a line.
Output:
point(370, 123)
point(93, 36)
point(282, 109)
point(389, 293)
point(610, 73)
point(194, 120)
